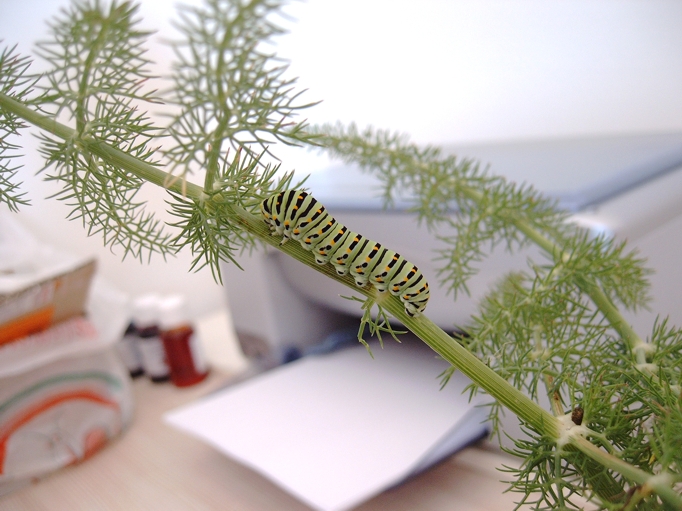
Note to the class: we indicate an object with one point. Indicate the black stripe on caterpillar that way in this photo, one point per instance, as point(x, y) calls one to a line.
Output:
point(297, 215)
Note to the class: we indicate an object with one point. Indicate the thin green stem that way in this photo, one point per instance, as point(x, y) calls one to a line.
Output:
point(605, 305)
point(472, 367)
point(554, 397)
point(83, 85)
point(548, 379)
point(557, 479)
point(660, 484)
point(636, 496)
point(213, 163)
point(130, 163)
point(37, 119)
point(218, 135)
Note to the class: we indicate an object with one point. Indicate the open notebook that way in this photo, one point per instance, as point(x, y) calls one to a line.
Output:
point(336, 429)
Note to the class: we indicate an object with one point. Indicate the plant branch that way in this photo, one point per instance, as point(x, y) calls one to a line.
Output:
point(115, 156)
point(573, 298)
point(661, 484)
point(443, 344)
point(605, 305)
point(424, 328)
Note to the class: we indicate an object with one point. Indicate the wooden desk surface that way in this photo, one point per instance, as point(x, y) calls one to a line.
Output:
point(155, 467)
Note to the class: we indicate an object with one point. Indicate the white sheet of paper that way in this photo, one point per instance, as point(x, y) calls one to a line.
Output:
point(337, 429)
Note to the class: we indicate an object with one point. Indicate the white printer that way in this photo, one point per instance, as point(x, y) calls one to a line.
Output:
point(629, 186)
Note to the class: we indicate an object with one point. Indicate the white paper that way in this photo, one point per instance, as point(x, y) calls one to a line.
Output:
point(335, 430)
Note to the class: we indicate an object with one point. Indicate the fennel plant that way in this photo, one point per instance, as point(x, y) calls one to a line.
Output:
point(613, 433)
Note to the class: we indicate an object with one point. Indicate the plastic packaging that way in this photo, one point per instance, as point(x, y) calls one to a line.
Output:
point(64, 392)
point(145, 320)
point(183, 352)
point(39, 285)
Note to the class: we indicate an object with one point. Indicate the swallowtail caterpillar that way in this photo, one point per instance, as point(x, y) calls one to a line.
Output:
point(297, 215)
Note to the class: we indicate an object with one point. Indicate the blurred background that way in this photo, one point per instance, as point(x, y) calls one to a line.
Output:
point(441, 71)
point(455, 73)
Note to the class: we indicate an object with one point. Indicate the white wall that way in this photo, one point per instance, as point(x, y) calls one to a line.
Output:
point(475, 70)
point(442, 71)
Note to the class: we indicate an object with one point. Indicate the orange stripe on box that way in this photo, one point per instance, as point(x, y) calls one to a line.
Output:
point(27, 324)
point(36, 409)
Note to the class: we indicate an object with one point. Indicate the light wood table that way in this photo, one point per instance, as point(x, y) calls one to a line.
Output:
point(156, 467)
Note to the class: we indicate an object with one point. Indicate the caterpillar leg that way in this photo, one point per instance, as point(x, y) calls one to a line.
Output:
point(411, 310)
point(381, 287)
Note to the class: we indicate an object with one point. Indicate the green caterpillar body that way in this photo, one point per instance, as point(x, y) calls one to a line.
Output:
point(297, 215)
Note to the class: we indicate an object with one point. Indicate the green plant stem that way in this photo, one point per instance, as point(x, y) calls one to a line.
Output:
point(558, 481)
point(477, 371)
point(660, 484)
point(598, 297)
point(130, 163)
point(443, 344)
point(83, 85)
point(217, 138)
